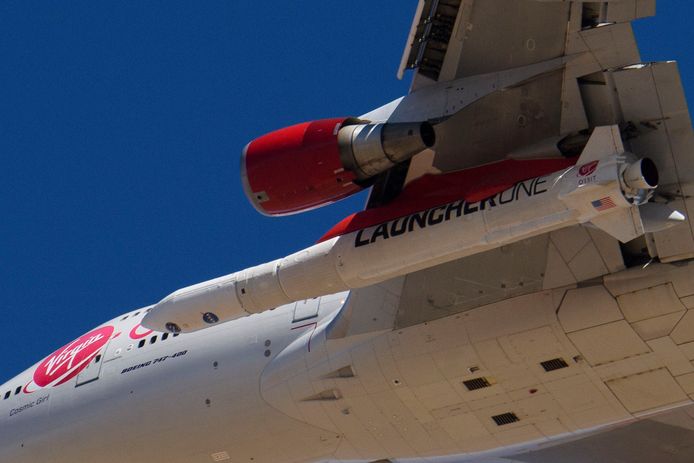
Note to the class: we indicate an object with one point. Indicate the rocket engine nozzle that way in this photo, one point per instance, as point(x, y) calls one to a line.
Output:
point(641, 175)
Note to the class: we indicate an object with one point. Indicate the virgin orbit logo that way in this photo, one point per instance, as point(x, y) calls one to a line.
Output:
point(588, 169)
point(67, 362)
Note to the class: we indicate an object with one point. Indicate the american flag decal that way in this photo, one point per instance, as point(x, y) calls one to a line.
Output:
point(604, 204)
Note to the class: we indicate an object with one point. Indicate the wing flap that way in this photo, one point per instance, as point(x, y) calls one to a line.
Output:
point(459, 38)
point(429, 38)
point(664, 438)
point(653, 104)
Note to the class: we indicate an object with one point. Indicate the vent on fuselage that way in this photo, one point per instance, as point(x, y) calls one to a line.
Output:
point(506, 418)
point(554, 364)
point(477, 383)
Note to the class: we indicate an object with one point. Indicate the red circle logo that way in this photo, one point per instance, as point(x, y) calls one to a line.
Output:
point(138, 333)
point(67, 362)
point(588, 169)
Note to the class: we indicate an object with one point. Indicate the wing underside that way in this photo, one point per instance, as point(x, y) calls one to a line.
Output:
point(576, 342)
point(666, 437)
point(530, 78)
point(450, 39)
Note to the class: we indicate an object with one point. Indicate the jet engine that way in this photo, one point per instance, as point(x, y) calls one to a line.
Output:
point(313, 164)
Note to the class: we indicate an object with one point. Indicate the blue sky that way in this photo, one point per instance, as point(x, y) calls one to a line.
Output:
point(121, 125)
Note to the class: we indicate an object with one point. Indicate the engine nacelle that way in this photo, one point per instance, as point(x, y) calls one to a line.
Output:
point(313, 164)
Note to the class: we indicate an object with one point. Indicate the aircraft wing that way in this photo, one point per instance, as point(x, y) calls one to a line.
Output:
point(665, 437)
point(526, 79)
point(450, 39)
point(537, 352)
point(510, 78)
point(533, 353)
point(566, 346)
point(638, 360)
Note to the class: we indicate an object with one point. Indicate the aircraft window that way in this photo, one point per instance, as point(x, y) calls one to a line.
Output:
point(141, 343)
point(7, 395)
point(164, 336)
point(124, 318)
point(18, 390)
point(176, 334)
point(153, 339)
point(136, 314)
point(98, 359)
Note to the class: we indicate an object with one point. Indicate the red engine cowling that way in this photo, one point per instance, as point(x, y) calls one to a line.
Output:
point(296, 169)
point(309, 165)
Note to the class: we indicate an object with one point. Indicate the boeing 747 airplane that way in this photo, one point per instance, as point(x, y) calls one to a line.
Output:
point(518, 288)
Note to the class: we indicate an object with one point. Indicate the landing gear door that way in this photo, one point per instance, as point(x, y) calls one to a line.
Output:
point(306, 310)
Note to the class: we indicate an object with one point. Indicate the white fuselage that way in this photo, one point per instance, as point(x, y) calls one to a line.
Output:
point(181, 399)
point(346, 378)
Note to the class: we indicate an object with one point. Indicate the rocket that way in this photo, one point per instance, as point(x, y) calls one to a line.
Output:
point(607, 188)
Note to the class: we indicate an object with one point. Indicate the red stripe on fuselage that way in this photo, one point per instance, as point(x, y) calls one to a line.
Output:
point(430, 190)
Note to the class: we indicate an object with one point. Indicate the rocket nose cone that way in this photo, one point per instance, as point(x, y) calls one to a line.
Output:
point(676, 216)
point(658, 217)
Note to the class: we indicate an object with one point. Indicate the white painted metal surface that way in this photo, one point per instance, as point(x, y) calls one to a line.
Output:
point(594, 191)
point(229, 388)
point(549, 346)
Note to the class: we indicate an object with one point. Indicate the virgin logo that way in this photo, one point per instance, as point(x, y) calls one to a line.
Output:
point(588, 169)
point(67, 362)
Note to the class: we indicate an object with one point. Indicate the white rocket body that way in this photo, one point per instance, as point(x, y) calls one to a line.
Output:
point(605, 192)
